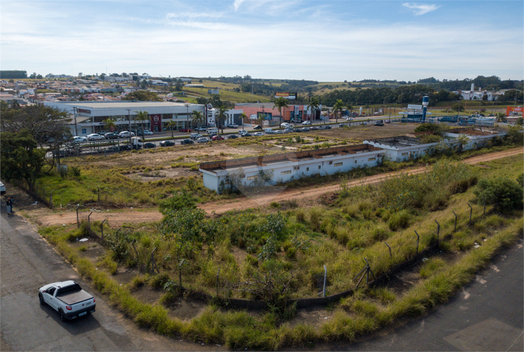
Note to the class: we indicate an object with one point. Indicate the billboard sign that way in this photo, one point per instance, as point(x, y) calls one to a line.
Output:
point(213, 91)
point(414, 107)
point(265, 116)
point(286, 95)
point(156, 123)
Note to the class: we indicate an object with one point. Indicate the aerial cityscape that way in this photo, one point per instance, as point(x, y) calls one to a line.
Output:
point(261, 175)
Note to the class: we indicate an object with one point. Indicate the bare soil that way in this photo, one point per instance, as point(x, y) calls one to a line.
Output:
point(46, 217)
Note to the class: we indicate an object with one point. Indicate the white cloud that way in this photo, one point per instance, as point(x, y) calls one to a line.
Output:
point(420, 9)
point(237, 4)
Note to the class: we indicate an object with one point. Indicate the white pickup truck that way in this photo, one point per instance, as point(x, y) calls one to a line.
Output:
point(68, 299)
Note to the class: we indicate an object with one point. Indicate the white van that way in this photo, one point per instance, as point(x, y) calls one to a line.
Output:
point(212, 130)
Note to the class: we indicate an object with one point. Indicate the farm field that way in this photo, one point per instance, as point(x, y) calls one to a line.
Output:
point(277, 252)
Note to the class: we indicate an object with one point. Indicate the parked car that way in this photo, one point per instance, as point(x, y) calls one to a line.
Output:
point(305, 129)
point(2, 188)
point(327, 127)
point(306, 123)
point(167, 143)
point(126, 134)
point(246, 135)
point(269, 131)
point(110, 135)
point(379, 123)
point(195, 135)
point(232, 136)
point(149, 145)
point(125, 147)
point(68, 299)
point(185, 130)
point(79, 139)
point(186, 141)
point(212, 130)
point(94, 137)
point(203, 140)
point(217, 138)
point(242, 133)
point(200, 129)
point(258, 134)
point(148, 133)
point(231, 125)
point(257, 127)
point(285, 124)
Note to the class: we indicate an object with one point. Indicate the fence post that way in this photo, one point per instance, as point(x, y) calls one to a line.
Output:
point(438, 231)
point(77, 220)
point(98, 194)
point(483, 214)
point(102, 228)
point(180, 272)
point(390, 255)
point(43, 192)
point(470, 212)
point(325, 276)
point(89, 221)
point(218, 280)
point(51, 198)
point(455, 221)
point(418, 239)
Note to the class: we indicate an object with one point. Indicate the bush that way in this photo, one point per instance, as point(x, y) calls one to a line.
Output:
point(398, 220)
point(501, 192)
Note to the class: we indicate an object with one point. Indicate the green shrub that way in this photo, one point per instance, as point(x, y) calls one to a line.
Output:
point(380, 234)
point(158, 281)
point(398, 220)
point(274, 205)
point(503, 193)
point(300, 215)
point(314, 219)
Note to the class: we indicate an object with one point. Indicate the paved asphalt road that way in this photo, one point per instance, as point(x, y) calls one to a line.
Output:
point(28, 262)
point(486, 316)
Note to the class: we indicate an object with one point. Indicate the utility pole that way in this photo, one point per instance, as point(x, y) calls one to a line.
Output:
point(129, 120)
point(187, 115)
point(76, 126)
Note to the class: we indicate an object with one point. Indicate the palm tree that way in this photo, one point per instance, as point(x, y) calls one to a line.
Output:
point(109, 124)
point(243, 116)
point(142, 116)
point(313, 105)
point(337, 108)
point(279, 104)
point(221, 117)
point(197, 117)
point(171, 124)
point(501, 117)
point(349, 107)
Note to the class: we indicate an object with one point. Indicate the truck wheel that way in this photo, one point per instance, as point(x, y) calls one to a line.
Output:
point(42, 302)
point(62, 315)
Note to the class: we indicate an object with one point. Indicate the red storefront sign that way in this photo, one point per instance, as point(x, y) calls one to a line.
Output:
point(156, 123)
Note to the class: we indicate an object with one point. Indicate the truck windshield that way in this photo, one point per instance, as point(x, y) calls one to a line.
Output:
point(68, 289)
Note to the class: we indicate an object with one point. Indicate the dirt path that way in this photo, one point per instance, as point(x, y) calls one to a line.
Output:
point(138, 216)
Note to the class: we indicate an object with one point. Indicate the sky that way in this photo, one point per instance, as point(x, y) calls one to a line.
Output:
point(322, 40)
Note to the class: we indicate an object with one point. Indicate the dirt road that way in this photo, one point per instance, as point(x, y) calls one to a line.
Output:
point(219, 207)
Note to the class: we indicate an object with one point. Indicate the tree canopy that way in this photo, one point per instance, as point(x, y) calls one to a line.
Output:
point(143, 95)
point(21, 158)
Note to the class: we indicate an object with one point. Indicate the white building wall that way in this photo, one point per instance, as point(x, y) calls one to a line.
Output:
point(399, 154)
point(289, 170)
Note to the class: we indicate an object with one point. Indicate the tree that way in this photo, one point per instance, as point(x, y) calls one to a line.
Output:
point(243, 116)
point(501, 117)
point(143, 95)
point(142, 116)
point(520, 121)
point(349, 108)
point(279, 104)
point(46, 125)
point(109, 124)
point(197, 117)
point(313, 105)
point(21, 158)
point(178, 85)
point(503, 193)
point(221, 117)
point(337, 108)
point(171, 124)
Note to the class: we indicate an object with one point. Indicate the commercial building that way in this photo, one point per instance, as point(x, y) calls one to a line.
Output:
point(281, 168)
point(271, 116)
point(473, 137)
point(89, 115)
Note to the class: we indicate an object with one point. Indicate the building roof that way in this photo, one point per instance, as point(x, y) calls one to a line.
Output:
point(400, 141)
point(263, 160)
